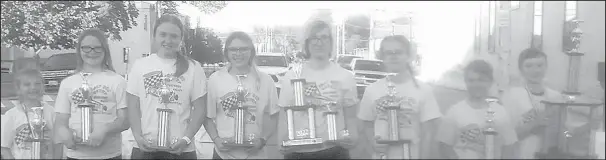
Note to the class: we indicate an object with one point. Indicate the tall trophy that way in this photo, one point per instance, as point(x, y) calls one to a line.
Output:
point(86, 109)
point(37, 129)
point(306, 136)
point(240, 136)
point(556, 135)
point(331, 121)
point(490, 132)
point(163, 139)
point(392, 125)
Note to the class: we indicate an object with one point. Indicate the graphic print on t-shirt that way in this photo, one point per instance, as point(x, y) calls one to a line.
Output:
point(404, 115)
point(23, 134)
point(152, 83)
point(99, 96)
point(230, 100)
point(472, 138)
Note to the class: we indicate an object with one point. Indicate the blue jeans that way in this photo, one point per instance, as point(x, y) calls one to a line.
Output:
point(139, 154)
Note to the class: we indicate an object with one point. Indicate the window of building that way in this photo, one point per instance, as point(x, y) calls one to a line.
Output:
point(571, 10)
point(537, 31)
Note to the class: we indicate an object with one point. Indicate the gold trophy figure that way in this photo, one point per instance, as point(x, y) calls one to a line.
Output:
point(86, 109)
point(490, 132)
point(392, 125)
point(163, 140)
point(240, 139)
point(37, 125)
point(299, 105)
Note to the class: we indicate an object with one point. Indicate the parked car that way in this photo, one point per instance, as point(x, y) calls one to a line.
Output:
point(274, 64)
point(367, 71)
point(345, 60)
point(56, 68)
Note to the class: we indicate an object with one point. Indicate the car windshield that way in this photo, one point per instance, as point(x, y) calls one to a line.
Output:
point(369, 65)
point(346, 59)
point(61, 60)
point(276, 61)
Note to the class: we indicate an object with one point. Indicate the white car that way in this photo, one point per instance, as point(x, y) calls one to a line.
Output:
point(274, 64)
point(367, 71)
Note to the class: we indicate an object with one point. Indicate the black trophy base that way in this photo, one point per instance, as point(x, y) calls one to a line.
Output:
point(393, 142)
point(554, 153)
point(160, 148)
point(246, 144)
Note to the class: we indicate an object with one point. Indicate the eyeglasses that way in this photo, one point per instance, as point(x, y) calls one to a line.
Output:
point(239, 49)
point(395, 52)
point(88, 49)
point(320, 39)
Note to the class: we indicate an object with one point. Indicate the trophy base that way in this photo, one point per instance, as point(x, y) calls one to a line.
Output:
point(554, 153)
point(160, 148)
point(302, 142)
point(237, 145)
point(300, 108)
point(393, 142)
point(86, 105)
point(35, 140)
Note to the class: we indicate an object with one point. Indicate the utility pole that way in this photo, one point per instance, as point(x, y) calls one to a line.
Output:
point(393, 28)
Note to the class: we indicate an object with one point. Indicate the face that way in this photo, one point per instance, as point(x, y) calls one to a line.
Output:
point(168, 38)
point(395, 56)
point(534, 69)
point(477, 85)
point(30, 88)
point(92, 51)
point(320, 43)
point(239, 53)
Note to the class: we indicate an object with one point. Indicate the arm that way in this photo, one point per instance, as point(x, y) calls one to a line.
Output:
point(211, 109)
point(446, 135)
point(272, 109)
point(350, 102)
point(509, 139)
point(62, 114)
point(120, 123)
point(198, 93)
point(7, 134)
point(134, 85)
point(429, 118)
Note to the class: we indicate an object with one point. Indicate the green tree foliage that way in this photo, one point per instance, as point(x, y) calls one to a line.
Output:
point(56, 24)
point(358, 25)
point(204, 46)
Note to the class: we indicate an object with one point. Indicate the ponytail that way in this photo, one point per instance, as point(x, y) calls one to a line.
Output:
point(182, 64)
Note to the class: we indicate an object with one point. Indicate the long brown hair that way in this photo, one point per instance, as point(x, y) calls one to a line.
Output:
point(246, 38)
point(182, 62)
point(314, 27)
point(107, 59)
point(409, 50)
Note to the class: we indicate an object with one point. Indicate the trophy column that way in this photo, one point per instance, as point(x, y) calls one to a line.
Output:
point(490, 132)
point(37, 126)
point(163, 139)
point(572, 98)
point(86, 109)
point(393, 126)
point(240, 138)
point(297, 84)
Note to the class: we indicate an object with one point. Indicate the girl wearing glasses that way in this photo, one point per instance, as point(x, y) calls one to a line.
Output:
point(418, 101)
point(259, 95)
point(107, 92)
point(168, 70)
point(326, 82)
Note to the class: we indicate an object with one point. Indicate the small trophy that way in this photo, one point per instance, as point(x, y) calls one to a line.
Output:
point(163, 139)
point(240, 125)
point(37, 129)
point(86, 109)
point(392, 125)
point(298, 89)
point(490, 131)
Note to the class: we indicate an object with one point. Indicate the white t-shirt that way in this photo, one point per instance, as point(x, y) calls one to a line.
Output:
point(107, 91)
point(462, 128)
point(519, 103)
point(261, 97)
point(418, 103)
point(143, 82)
point(15, 131)
point(330, 84)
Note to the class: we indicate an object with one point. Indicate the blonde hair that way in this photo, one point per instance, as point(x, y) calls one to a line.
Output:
point(246, 38)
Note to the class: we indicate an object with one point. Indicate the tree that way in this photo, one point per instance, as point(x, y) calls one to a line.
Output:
point(358, 25)
point(204, 46)
point(209, 7)
point(39, 25)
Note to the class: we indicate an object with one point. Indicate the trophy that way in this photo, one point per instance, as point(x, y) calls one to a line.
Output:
point(556, 134)
point(240, 125)
point(37, 129)
point(331, 120)
point(86, 109)
point(163, 138)
point(490, 132)
point(392, 124)
point(299, 105)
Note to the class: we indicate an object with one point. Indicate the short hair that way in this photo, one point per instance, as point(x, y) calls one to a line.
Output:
point(530, 53)
point(402, 40)
point(314, 27)
point(480, 67)
point(25, 63)
point(27, 73)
